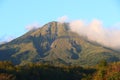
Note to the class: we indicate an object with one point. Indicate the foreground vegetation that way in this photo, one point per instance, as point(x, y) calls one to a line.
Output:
point(55, 43)
point(37, 71)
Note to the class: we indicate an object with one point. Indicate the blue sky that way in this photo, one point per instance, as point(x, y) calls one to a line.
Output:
point(15, 15)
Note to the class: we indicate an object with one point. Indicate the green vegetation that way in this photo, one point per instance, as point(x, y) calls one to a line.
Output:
point(55, 44)
point(38, 71)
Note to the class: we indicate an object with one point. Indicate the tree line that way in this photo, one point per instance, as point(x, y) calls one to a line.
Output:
point(39, 71)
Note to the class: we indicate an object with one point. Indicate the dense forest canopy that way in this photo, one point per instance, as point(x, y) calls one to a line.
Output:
point(37, 71)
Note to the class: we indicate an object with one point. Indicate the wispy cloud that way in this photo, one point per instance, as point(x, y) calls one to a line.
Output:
point(5, 39)
point(62, 19)
point(32, 26)
point(95, 31)
point(10, 38)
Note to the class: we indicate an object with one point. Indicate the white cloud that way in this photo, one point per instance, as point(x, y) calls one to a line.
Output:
point(6, 39)
point(2, 43)
point(9, 38)
point(117, 26)
point(62, 19)
point(32, 27)
point(95, 31)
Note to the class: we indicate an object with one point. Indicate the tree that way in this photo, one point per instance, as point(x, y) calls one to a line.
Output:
point(5, 76)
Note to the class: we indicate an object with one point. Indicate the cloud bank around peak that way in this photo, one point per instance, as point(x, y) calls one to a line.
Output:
point(95, 31)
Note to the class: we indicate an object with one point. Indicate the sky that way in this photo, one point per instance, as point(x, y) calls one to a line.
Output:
point(17, 15)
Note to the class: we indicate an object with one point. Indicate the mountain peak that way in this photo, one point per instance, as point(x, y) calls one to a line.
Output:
point(54, 43)
point(53, 27)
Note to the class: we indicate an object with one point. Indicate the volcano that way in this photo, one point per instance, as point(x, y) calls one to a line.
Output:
point(55, 44)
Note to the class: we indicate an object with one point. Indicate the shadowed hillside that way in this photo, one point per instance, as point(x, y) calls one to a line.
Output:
point(56, 44)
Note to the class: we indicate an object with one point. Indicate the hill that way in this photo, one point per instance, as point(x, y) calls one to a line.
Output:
point(56, 44)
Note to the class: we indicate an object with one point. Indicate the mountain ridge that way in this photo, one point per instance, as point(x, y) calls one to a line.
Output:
point(56, 44)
